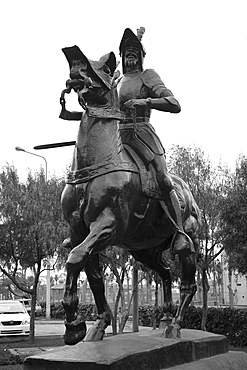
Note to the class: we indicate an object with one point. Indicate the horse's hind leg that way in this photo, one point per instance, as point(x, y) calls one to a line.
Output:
point(153, 259)
point(95, 279)
point(188, 284)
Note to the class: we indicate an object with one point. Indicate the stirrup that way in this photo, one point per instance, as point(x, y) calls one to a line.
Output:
point(190, 247)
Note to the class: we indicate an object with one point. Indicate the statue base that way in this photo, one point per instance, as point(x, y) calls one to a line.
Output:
point(147, 349)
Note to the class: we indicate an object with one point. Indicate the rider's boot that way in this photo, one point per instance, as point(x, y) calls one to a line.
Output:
point(181, 242)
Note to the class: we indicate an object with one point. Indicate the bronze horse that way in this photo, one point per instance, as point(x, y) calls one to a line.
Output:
point(105, 202)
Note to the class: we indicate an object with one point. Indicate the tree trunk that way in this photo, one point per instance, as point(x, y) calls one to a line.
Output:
point(156, 297)
point(114, 324)
point(32, 315)
point(115, 315)
point(231, 303)
point(205, 289)
point(120, 313)
point(135, 321)
point(198, 290)
point(123, 314)
point(128, 290)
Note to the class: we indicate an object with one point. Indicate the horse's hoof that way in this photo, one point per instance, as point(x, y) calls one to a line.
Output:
point(165, 320)
point(172, 331)
point(96, 332)
point(74, 333)
point(66, 243)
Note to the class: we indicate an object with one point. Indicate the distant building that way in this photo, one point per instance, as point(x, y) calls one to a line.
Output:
point(235, 289)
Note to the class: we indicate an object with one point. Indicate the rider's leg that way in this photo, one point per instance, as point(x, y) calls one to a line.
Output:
point(171, 200)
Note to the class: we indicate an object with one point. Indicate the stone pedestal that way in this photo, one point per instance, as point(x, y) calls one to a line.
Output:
point(146, 350)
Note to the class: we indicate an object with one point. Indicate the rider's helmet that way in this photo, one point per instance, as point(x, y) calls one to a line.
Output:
point(131, 39)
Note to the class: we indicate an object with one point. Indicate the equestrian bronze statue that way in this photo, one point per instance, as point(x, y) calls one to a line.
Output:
point(112, 198)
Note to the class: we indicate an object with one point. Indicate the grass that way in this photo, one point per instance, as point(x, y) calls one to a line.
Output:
point(10, 362)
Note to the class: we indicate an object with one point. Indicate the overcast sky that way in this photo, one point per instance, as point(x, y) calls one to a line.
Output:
point(199, 48)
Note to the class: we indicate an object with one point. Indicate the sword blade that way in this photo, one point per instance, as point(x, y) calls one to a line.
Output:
point(54, 145)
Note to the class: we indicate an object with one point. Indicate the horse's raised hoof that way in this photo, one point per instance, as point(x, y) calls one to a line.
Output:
point(172, 331)
point(96, 332)
point(75, 332)
point(66, 243)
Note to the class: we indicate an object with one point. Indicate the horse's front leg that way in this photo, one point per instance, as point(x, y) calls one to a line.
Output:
point(96, 282)
point(102, 233)
point(74, 323)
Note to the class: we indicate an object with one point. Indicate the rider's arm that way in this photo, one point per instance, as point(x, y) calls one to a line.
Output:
point(165, 104)
point(160, 97)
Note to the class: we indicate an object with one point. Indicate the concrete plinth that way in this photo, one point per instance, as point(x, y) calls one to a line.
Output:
point(227, 361)
point(135, 351)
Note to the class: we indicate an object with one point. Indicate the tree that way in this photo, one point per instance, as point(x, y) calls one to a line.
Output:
point(32, 227)
point(118, 261)
point(209, 185)
point(234, 217)
point(4, 287)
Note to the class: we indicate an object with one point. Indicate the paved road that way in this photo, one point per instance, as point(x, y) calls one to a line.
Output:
point(49, 327)
point(45, 328)
point(56, 327)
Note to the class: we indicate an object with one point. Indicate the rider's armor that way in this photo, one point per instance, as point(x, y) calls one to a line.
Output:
point(135, 128)
point(147, 87)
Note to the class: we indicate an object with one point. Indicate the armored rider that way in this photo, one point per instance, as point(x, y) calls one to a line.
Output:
point(140, 91)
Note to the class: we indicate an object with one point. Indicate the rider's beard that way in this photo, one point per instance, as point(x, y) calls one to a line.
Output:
point(131, 63)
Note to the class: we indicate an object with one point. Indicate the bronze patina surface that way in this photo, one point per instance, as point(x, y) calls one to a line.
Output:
point(105, 204)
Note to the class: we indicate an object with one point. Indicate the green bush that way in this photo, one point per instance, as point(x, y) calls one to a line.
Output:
point(193, 318)
point(7, 358)
point(230, 322)
point(225, 321)
point(148, 313)
point(88, 311)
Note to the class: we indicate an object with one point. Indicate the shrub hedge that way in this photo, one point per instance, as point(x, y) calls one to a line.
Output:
point(228, 321)
point(88, 310)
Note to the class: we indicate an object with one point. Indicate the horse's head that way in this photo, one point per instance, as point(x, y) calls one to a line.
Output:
point(94, 81)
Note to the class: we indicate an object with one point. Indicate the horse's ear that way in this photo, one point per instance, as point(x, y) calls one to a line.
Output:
point(116, 78)
point(111, 62)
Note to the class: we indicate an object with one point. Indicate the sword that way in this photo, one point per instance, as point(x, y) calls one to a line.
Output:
point(54, 145)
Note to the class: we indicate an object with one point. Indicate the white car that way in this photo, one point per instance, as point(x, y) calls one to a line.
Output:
point(14, 318)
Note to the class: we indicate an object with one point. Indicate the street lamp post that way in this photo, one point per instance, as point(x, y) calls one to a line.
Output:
point(48, 283)
point(19, 149)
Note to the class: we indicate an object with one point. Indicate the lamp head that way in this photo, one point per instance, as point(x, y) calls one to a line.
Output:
point(19, 149)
